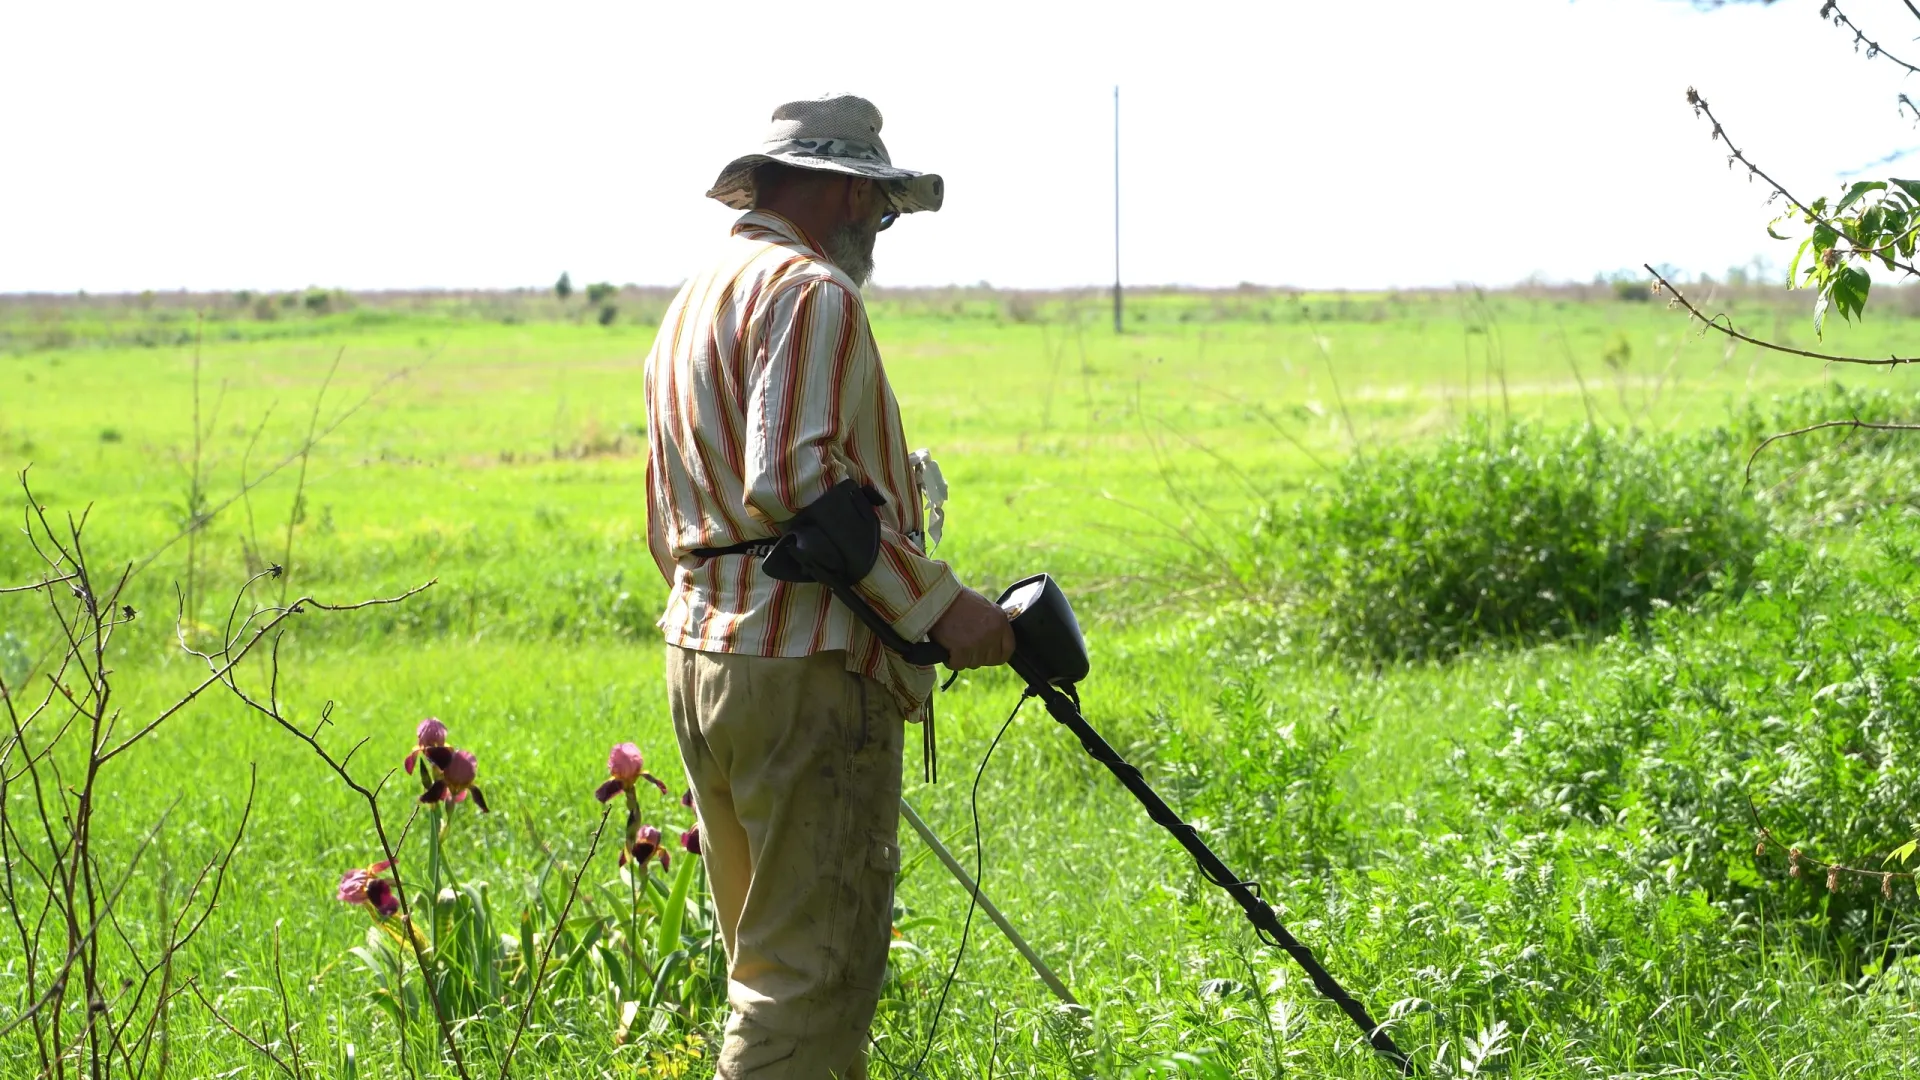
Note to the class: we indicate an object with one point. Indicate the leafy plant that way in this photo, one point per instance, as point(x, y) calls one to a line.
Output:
point(1788, 710)
point(1513, 533)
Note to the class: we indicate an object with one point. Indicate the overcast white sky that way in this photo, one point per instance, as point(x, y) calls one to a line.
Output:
point(1394, 142)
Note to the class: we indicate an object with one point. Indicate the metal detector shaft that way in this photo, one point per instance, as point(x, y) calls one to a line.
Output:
point(1258, 911)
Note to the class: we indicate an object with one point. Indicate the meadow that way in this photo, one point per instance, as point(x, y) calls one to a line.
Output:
point(1532, 850)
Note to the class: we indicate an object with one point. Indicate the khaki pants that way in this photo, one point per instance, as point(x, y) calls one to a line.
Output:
point(795, 769)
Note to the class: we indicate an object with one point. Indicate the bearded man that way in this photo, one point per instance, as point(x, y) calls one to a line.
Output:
point(765, 390)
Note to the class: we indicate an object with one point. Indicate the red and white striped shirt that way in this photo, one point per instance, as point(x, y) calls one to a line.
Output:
point(764, 389)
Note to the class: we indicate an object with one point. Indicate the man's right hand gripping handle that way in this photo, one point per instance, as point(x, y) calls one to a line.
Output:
point(974, 631)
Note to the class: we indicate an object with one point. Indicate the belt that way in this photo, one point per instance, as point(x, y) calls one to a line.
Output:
point(744, 547)
point(765, 544)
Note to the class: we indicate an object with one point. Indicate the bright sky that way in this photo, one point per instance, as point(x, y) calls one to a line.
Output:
point(1387, 143)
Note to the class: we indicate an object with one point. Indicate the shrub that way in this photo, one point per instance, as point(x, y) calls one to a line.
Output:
point(1834, 475)
point(1519, 534)
point(1792, 708)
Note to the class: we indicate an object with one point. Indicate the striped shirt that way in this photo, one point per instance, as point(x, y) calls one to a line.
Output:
point(764, 389)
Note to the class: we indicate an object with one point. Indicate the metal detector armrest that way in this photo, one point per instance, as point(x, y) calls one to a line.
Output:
point(835, 540)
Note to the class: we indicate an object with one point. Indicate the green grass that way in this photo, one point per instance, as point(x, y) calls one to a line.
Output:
point(507, 464)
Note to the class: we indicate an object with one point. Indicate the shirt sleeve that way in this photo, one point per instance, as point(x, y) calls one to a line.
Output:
point(803, 390)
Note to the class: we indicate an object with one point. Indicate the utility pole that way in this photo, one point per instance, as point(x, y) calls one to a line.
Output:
point(1119, 327)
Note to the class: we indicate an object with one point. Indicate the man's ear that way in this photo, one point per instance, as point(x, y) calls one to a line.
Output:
point(857, 197)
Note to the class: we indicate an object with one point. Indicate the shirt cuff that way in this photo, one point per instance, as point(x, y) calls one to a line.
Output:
point(932, 604)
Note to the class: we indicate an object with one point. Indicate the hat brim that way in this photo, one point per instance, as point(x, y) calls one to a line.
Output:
point(908, 192)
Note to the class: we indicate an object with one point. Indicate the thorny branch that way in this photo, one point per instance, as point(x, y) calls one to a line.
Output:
point(1735, 154)
point(1797, 860)
point(1724, 324)
point(1831, 11)
point(1854, 423)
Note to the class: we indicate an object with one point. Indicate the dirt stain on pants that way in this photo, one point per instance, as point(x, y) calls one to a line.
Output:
point(795, 770)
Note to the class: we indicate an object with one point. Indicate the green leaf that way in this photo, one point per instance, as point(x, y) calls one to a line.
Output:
point(1902, 853)
point(1911, 187)
point(1793, 268)
point(529, 955)
point(1850, 287)
point(675, 908)
point(1857, 190)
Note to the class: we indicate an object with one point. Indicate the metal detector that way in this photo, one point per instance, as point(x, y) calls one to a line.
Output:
point(836, 541)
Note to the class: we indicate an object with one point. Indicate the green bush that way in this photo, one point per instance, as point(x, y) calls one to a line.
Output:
point(1796, 708)
point(1518, 534)
point(1834, 475)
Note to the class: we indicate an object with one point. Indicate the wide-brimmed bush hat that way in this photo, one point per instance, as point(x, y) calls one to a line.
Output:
point(836, 133)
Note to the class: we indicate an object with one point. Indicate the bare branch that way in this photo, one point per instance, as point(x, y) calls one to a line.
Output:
point(59, 984)
point(36, 586)
point(233, 658)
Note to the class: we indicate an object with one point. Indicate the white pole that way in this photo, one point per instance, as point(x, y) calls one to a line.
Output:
point(953, 865)
point(1118, 326)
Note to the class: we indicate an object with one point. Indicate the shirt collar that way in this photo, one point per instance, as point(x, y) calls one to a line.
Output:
point(772, 222)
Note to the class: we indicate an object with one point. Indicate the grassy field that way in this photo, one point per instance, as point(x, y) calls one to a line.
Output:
point(494, 446)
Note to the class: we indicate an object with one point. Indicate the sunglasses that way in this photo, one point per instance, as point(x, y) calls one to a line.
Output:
point(887, 219)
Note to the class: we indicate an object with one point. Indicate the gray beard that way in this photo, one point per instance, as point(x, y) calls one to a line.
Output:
point(851, 249)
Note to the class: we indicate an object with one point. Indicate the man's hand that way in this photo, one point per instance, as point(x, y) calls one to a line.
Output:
point(974, 631)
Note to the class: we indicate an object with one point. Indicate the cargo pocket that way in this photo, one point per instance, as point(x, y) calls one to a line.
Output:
point(874, 918)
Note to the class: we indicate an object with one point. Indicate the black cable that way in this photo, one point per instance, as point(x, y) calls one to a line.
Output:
point(973, 901)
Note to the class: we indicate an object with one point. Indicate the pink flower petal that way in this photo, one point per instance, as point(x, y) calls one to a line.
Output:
point(625, 762)
point(353, 887)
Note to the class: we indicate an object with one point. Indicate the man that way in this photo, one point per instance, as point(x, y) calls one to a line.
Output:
point(764, 390)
